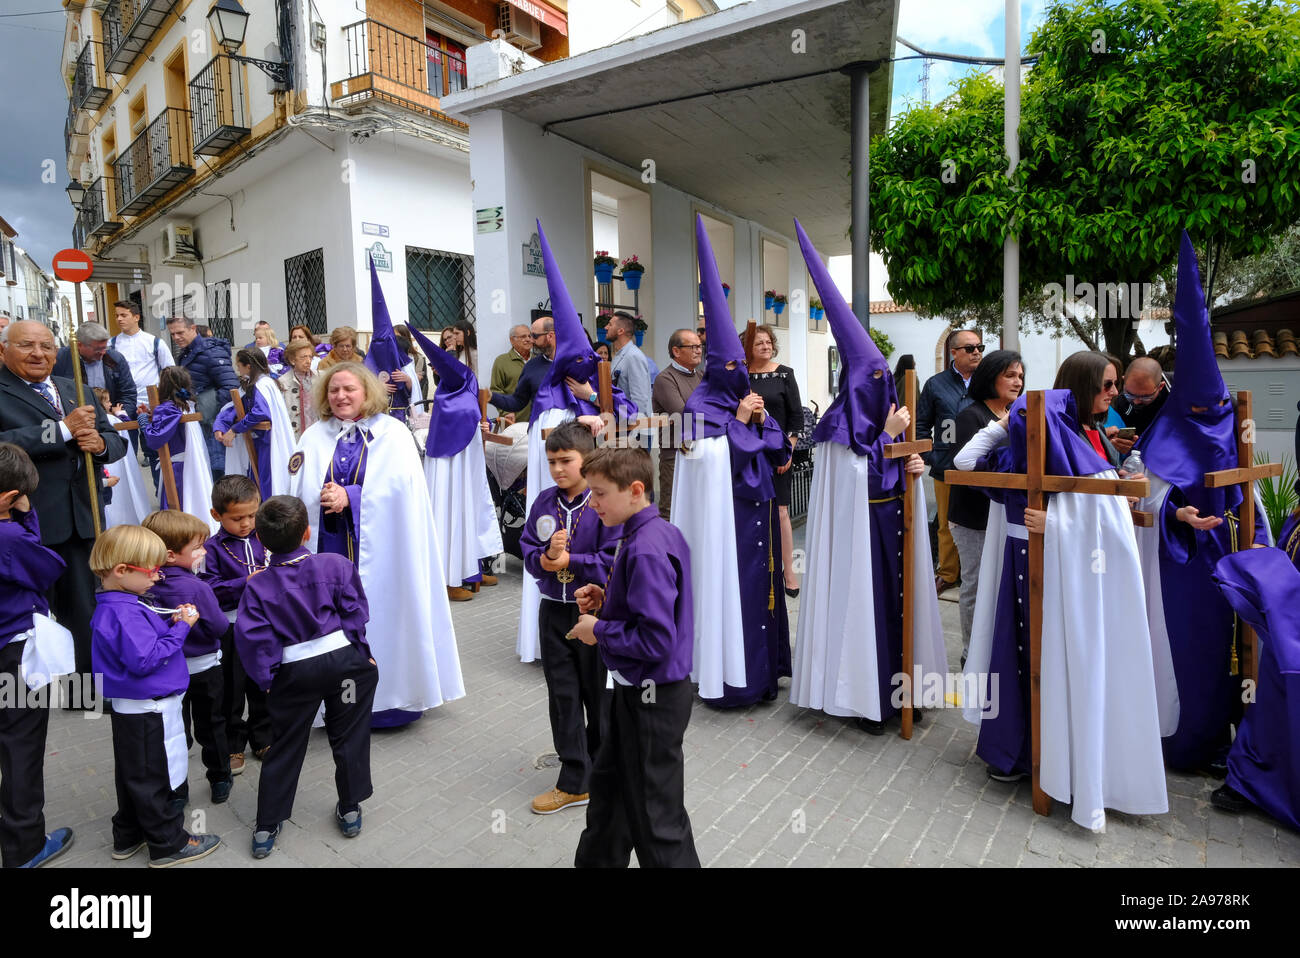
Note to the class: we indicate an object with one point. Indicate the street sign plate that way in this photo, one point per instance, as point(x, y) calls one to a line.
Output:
point(72, 265)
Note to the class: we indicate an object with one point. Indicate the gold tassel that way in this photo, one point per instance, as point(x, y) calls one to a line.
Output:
point(771, 598)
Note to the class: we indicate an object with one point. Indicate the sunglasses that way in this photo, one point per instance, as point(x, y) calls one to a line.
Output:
point(701, 331)
point(1109, 384)
point(976, 348)
point(538, 335)
point(136, 568)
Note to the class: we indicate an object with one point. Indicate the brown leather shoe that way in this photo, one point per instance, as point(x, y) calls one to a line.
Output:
point(457, 594)
point(550, 802)
point(260, 753)
point(941, 585)
point(237, 763)
point(488, 579)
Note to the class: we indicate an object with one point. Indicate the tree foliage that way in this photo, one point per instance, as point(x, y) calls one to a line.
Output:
point(1140, 118)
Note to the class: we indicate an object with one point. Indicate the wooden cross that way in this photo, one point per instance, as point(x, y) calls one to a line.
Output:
point(483, 396)
point(901, 450)
point(605, 402)
point(1035, 484)
point(165, 456)
point(1244, 476)
point(238, 400)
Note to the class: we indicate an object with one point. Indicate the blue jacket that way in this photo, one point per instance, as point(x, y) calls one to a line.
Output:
point(117, 375)
point(942, 397)
point(208, 361)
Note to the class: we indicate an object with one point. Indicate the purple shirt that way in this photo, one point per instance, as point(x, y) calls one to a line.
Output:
point(300, 597)
point(646, 628)
point(226, 566)
point(591, 544)
point(138, 653)
point(340, 532)
point(27, 570)
point(178, 586)
point(163, 427)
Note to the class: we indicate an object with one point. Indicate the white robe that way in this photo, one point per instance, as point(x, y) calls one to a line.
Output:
point(282, 442)
point(131, 501)
point(1100, 722)
point(410, 630)
point(703, 509)
point(835, 667)
point(196, 477)
point(463, 512)
point(528, 643)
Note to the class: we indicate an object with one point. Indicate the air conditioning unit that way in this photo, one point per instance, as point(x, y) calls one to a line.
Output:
point(178, 245)
point(518, 28)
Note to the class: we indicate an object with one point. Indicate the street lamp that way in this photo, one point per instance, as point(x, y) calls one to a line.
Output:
point(76, 193)
point(229, 22)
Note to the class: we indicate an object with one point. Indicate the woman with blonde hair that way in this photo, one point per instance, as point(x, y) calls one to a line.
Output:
point(359, 474)
point(343, 348)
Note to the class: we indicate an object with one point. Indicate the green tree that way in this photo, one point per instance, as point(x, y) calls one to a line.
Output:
point(1139, 119)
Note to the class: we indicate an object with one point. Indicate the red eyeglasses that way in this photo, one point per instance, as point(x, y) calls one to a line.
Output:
point(153, 571)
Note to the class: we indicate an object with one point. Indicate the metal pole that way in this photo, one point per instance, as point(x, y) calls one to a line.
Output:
point(1011, 141)
point(81, 401)
point(860, 142)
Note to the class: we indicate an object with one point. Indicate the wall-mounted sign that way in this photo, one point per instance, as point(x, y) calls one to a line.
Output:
point(533, 265)
point(382, 257)
point(490, 220)
point(374, 229)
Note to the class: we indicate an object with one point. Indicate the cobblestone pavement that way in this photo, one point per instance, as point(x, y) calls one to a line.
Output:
point(770, 785)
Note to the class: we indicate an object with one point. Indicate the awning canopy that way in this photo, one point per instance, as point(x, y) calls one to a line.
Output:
point(745, 108)
point(540, 11)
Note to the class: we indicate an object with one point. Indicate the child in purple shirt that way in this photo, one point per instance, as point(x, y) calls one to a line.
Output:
point(145, 677)
point(645, 634)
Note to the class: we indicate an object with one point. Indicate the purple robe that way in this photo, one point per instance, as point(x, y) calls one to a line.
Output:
point(646, 627)
point(455, 416)
point(1264, 763)
point(226, 421)
point(1289, 539)
point(139, 654)
point(298, 598)
point(340, 532)
point(178, 586)
point(27, 571)
point(163, 427)
point(885, 485)
point(228, 562)
point(591, 544)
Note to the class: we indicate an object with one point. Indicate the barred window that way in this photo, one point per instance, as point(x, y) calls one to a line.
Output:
point(304, 291)
point(439, 288)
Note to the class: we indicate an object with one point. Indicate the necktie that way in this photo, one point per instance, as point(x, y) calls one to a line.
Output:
point(48, 395)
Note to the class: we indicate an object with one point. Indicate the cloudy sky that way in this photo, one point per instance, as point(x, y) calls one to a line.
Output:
point(36, 99)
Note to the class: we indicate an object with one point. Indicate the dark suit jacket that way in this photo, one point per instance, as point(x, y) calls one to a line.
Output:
point(117, 375)
point(62, 499)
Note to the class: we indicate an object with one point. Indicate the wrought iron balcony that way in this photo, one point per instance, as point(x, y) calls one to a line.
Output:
point(217, 106)
point(129, 25)
point(95, 210)
point(88, 91)
point(78, 233)
point(156, 161)
point(387, 65)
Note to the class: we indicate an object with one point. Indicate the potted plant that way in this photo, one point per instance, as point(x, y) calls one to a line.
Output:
point(633, 270)
point(815, 309)
point(778, 303)
point(726, 292)
point(601, 322)
point(769, 298)
point(641, 327)
point(604, 264)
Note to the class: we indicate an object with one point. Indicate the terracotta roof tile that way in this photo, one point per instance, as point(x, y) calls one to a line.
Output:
point(1238, 343)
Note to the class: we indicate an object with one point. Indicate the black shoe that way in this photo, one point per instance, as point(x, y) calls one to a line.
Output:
point(1228, 799)
point(221, 790)
point(918, 716)
point(871, 726)
point(1006, 776)
point(1217, 768)
point(792, 593)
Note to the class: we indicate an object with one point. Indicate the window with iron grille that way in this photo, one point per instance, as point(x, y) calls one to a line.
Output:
point(219, 319)
point(439, 288)
point(304, 291)
point(183, 306)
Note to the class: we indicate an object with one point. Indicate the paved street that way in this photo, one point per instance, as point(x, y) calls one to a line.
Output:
point(771, 785)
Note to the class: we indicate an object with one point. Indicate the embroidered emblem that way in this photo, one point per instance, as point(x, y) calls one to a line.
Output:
point(384, 377)
point(295, 463)
point(545, 528)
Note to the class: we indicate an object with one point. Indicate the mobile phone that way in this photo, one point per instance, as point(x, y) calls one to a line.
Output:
point(1128, 432)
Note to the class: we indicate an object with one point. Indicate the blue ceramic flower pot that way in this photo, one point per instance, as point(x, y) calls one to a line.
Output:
point(605, 273)
point(632, 278)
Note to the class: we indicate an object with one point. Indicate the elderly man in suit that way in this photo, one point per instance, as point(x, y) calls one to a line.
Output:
point(39, 413)
point(671, 389)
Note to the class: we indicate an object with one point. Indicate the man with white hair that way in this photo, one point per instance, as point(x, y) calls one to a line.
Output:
point(509, 366)
point(101, 366)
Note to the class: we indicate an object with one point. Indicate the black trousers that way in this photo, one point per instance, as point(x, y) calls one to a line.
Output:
point(72, 598)
point(204, 710)
point(144, 792)
point(638, 784)
point(575, 692)
point(22, 767)
point(345, 680)
point(236, 690)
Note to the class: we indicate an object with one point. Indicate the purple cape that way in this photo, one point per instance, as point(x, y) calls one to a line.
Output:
point(455, 416)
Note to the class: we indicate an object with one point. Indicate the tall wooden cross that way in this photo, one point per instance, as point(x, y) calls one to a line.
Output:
point(237, 398)
point(1035, 484)
point(484, 396)
point(165, 456)
point(1244, 476)
point(605, 402)
point(901, 450)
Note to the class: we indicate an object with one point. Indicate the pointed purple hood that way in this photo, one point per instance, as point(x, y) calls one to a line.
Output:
point(1068, 453)
point(454, 416)
point(858, 413)
point(1181, 446)
point(712, 406)
point(385, 357)
point(573, 353)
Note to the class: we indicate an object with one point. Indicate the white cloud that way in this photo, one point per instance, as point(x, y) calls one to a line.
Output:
point(964, 26)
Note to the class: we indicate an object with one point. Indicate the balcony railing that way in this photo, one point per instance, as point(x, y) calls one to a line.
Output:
point(78, 233)
point(95, 219)
point(154, 162)
point(129, 25)
point(88, 91)
point(388, 65)
point(217, 106)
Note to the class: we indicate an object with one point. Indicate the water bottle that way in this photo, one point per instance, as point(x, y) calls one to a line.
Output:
point(1133, 465)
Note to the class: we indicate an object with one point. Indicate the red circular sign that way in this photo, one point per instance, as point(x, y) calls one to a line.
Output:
point(72, 265)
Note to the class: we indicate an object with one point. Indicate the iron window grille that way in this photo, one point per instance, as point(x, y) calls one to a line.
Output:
point(304, 291)
point(439, 288)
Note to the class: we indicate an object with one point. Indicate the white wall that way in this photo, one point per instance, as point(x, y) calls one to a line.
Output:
point(598, 23)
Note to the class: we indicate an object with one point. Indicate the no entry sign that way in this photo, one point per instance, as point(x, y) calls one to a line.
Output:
point(72, 265)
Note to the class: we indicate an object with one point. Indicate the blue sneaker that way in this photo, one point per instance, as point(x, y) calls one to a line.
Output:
point(198, 846)
point(56, 843)
point(264, 842)
point(350, 822)
point(221, 790)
